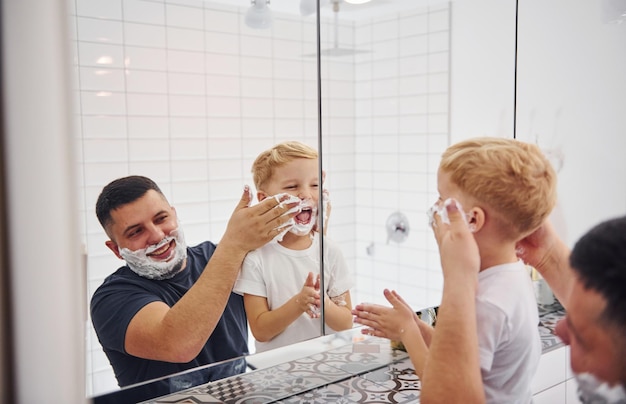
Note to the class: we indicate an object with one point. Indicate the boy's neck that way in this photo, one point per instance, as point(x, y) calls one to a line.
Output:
point(496, 253)
point(294, 242)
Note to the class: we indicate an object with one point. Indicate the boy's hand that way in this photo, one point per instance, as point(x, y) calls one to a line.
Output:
point(308, 299)
point(457, 247)
point(386, 322)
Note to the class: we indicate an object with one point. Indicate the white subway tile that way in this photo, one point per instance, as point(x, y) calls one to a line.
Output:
point(110, 9)
point(96, 30)
point(104, 150)
point(96, 79)
point(257, 87)
point(185, 39)
point(146, 81)
point(184, 16)
point(143, 11)
point(414, 65)
point(438, 62)
point(218, 42)
point(100, 55)
point(287, 49)
point(229, 86)
point(225, 148)
point(158, 171)
point(100, 174)
point(221, 21)
point(195, 170)
point(439, 20)
point(148, 127)
point(102, 126)
point(186, 83)
point(145, 58)
point(188, 127)
point(413, 45)
point(221, 64)
point(223, 107)
point(288, 70)
point(385, 87)
point(257, 108)
point(438, 83)
point(187, 105)
point(256, 67)
point(438, 42)
point(185, 61)
point(102, 103)
point(417, 104)
point(147, 35)
point(292, 89)
point(188, 149)
point(147, 104)
point(413, 24)
point(386, 106)
point(149, 150)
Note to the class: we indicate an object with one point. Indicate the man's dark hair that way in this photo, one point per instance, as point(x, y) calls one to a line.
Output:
point(599, 260)
point(120, 192)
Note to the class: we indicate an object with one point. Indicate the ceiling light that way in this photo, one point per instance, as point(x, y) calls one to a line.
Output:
point(259, 15)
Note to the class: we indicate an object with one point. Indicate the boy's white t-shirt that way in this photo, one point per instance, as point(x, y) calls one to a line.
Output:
point(508, 332)
point(278, 273)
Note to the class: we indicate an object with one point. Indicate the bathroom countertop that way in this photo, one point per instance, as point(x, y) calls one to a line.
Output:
point(346, 367)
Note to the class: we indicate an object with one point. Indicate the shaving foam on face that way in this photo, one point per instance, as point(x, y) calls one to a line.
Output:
point(143, 265)
point(441, 210)
point(593, 390)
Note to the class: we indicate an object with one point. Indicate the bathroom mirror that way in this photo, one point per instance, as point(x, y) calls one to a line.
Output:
point(185, 92)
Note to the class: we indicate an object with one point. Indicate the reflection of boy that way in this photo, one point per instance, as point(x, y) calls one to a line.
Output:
point(279, 281)
point(506, 189)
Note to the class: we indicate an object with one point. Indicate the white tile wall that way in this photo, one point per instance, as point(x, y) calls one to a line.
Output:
point(182, 91)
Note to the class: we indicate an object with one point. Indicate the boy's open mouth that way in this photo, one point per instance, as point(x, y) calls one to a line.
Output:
point(304, 216)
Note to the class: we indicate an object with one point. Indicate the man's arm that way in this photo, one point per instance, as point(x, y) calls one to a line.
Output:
point(177, 334)
point(546, 252)
point(452, 368)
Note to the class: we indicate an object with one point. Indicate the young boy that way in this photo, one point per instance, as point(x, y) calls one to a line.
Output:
point(281, 293)
point(506, 188)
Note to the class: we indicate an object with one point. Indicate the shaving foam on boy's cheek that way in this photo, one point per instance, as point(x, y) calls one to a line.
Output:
point(441, 210)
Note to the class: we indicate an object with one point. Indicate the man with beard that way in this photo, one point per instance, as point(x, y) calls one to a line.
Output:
point(589, 281)
point(170, 308)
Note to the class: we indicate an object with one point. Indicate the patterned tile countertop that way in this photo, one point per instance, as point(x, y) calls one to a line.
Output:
point(366, 370)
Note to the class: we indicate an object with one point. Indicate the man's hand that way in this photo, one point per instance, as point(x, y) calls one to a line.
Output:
point(251, 227)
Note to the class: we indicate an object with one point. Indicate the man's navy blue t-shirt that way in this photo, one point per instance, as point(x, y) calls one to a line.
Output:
point(124, 293)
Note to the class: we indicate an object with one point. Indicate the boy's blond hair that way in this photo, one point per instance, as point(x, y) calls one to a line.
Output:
point(511, 177)
point(282, 153)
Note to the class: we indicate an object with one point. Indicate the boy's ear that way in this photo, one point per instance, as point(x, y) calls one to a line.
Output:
point(476, 219)
point(261, 195)
point(323, 176)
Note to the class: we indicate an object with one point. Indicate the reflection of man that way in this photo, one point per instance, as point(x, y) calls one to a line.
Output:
point(593, 290)
point(590, 282)
point(170, 308)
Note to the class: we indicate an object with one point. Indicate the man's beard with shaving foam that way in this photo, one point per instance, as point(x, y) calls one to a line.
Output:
point(592, 390)
point(140, 262)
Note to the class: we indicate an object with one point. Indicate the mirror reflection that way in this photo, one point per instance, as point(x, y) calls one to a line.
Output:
point(189, 93)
